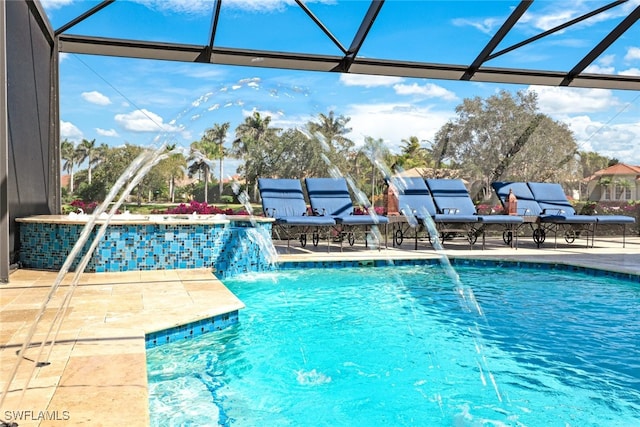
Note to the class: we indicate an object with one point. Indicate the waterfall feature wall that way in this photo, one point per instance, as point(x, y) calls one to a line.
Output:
point(227, 246)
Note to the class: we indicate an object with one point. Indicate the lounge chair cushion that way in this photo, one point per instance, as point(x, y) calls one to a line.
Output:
point(454, 194)
point(555, 206)
point(414, 198)
point(330, 197)
point(527, 206)
point(501, 219)
point(451, 197)
point(615, 219)
point(455, 218)
point(283, 200)
point(551, 198)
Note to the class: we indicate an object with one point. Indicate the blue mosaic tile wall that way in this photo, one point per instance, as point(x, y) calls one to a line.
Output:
point(227, 249)
point(191, 330)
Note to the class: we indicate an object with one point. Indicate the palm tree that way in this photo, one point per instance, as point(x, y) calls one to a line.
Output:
point(174, 166)
point(251, 138)
point(69, 155)
point(375, 151)
point(202, 152)
point(199, 164)
point(332, 130)
point(411, 146)
point(413, 154)
point(101, 153)
point(87, 151)
point(217, 134)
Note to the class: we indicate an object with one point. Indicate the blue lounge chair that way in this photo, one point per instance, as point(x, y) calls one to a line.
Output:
point(452, 197)
point(548, 216)
point(330, 197)
point(553, 201)
point(283, 200)
point(417, 207)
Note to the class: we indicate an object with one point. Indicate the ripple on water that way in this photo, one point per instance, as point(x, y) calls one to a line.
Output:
point(394, 346)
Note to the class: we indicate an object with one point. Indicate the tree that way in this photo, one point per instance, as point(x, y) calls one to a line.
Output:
point(254, 139)
point(116, 161)
point(331, 132)
point(172, 168)
point(217, 134)
point(297, 156)
point(413, 154)
point(200, 165)
point(69, 155)
point(592, 162)
point(87, 150)
point(209, 147)
point(375, 152)
point(504, 137)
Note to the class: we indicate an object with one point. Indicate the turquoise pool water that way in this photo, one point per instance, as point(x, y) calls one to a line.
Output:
point(396, 346)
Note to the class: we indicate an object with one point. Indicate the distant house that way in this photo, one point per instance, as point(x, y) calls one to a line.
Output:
point(620, 182)
point(65, 180)
point(431, 173)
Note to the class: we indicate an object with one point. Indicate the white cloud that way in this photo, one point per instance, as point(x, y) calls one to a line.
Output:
point(277, 117)
point(261, 6)
point(630, 72)
point(191, 7)
point(633, 54)
point(393, 122)
point(618, 141)
point(561, 100)
point(55, 4)
point(198, 71)
point(95, 97)
point(486, 25)
point(107, 132)
point(556, 13)
point(428, 90)
point(597, 69)
point(145, 121)
point(367, 80)
point(607, 60)
point(552, 19)
point(70, 131)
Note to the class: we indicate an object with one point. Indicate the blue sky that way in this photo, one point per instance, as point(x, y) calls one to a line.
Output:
point(118, 100)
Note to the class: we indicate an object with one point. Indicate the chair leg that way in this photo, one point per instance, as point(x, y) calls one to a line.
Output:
point(386, 236)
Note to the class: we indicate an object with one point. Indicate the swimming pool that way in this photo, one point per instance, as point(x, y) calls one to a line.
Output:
point(395, 346)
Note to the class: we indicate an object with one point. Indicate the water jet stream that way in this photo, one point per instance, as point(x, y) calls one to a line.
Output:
point(136, 167)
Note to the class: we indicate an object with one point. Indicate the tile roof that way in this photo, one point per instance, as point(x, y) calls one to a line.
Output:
point(619, 169)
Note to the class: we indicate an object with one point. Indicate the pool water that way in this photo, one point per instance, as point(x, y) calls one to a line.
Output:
point(396, 346)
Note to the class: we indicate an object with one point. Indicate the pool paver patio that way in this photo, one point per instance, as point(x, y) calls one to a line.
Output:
point(97, 371)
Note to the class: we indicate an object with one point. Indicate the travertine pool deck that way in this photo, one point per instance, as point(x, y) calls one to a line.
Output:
point(97, 375)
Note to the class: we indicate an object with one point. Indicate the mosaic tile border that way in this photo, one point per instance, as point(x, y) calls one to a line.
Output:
point(467, 262)
point(191, 330)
